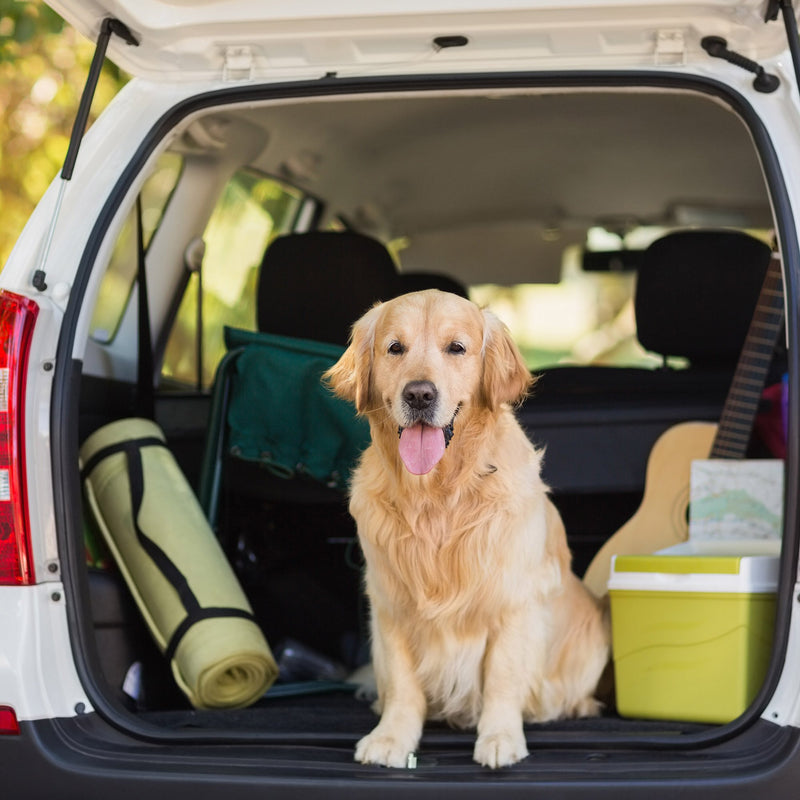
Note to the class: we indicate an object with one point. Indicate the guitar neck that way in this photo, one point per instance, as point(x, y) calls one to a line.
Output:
point(744, 395)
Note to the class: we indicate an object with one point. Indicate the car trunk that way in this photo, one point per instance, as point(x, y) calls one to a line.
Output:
point(297, 561)
point(300, 568)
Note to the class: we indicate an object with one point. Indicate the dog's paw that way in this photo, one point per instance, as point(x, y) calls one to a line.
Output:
point(383, 749)
point(500, 749)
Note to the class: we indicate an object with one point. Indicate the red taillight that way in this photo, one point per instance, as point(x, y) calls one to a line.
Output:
point(8, 721)
point(17, 316)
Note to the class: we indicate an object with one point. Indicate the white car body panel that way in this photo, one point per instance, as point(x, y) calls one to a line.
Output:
point(37, 674)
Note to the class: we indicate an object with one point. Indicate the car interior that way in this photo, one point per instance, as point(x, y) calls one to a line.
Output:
point(622, 233)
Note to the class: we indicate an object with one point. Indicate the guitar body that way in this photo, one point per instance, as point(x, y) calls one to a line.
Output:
point(661, 519)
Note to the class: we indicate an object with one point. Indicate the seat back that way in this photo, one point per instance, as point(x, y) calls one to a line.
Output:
point(696, 292)
point(316, 285)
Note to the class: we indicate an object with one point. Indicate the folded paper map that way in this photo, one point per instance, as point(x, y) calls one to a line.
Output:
point(736, 499)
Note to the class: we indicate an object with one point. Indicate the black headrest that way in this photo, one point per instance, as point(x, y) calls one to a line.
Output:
point(696, 293)
point(417, 281)
point(316, 285)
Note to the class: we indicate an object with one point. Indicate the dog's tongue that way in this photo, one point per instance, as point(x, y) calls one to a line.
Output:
point(421, 448)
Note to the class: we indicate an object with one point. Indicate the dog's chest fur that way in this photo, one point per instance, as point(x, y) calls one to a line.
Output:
point(443, 551)
point(439, 556)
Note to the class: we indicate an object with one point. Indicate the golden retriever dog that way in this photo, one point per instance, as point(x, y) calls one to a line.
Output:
point(476, 617)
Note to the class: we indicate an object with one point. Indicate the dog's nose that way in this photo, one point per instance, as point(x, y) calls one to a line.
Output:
point(419, 394)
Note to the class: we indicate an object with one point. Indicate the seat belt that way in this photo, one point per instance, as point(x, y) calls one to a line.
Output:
point(145, 398)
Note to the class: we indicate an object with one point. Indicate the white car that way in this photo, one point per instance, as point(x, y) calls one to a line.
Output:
point(181, 609)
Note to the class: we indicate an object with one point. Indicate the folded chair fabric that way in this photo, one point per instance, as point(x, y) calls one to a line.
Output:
point(174, 567)
point(282, 416)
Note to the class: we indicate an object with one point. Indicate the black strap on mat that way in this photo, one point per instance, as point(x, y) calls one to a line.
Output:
point(194, 611)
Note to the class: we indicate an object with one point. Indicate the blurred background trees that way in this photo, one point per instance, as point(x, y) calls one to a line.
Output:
point(43, 66)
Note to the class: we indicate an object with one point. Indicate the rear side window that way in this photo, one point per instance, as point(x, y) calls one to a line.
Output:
point(119, 278)
point(251, 211)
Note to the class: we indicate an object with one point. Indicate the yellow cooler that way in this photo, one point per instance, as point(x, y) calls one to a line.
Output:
point(692, 629)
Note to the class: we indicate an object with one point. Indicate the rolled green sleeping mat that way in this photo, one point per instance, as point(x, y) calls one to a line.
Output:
point(174, 566)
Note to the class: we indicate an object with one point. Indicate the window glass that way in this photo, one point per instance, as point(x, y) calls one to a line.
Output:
point(251, 211)
point(586, 318)
point(117, 282)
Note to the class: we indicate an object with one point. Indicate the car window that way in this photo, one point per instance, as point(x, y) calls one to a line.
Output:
point(585, 318)
point(118, 280)
point(588, 316)
point(252, 209)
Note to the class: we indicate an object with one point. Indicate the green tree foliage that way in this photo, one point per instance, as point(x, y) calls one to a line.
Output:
point(43, 67)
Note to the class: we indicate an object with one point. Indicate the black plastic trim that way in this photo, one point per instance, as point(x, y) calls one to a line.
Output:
point(82, 757)
point(64, 429)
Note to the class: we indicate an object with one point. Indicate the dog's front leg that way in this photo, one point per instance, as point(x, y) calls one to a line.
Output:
point(501, 738)
point(401, 698)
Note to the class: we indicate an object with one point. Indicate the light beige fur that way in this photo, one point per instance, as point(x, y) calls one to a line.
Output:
point(476, 618)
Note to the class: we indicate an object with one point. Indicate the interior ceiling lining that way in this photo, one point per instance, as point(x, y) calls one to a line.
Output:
point(419, 158)
point(432, 165)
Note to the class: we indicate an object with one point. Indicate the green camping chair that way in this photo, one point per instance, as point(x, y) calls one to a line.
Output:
point(270, 408)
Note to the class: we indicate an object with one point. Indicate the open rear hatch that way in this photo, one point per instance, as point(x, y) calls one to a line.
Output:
point(222, 46)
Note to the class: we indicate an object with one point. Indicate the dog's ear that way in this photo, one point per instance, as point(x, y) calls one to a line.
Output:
point(349, 377)
point(506, 377)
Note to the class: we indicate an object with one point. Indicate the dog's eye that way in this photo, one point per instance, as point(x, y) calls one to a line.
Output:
point(456, 349)
point(396, 349)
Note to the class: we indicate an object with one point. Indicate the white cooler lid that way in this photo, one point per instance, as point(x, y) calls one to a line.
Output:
point(701, 566)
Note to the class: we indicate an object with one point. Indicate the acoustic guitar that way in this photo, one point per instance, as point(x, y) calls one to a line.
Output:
point(662, 518)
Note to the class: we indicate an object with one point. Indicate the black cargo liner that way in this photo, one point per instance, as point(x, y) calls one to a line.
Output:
point(340, 716)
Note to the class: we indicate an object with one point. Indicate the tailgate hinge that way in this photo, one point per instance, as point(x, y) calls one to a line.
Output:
point(670, 47)
point(238, 63)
